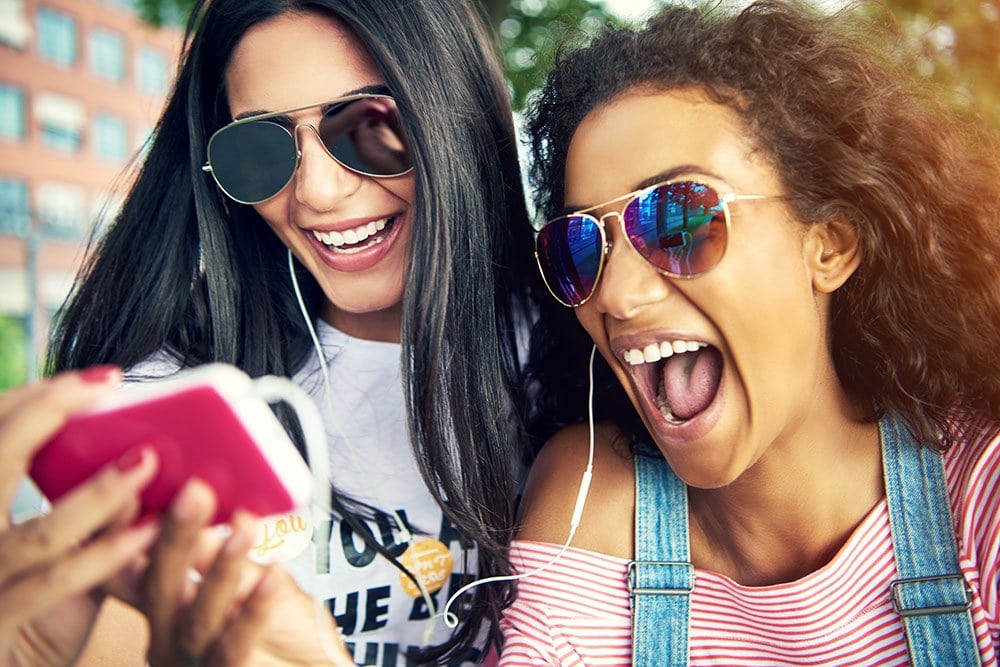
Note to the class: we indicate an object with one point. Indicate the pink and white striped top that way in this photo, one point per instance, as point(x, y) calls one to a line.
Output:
point(576, 612)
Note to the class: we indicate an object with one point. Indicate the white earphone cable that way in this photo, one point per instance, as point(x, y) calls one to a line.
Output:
point(581, 498)
point(404, 532)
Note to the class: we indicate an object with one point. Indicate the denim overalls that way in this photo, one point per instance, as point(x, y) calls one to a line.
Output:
point(930, 593)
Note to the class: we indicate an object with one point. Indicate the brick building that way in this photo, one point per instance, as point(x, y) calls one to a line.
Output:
point(82, 83)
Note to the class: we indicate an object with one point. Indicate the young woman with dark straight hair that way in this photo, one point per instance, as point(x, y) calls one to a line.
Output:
point(364, 150)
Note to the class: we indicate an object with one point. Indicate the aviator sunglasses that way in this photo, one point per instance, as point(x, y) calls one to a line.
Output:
point(680, 227)
point(253, 159)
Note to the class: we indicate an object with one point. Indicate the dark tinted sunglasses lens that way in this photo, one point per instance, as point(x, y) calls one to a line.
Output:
point(367, 135)
point(569, 256)
point(252, 161)
point(679, 228)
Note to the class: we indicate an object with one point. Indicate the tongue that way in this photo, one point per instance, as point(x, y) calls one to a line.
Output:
point(690, 381)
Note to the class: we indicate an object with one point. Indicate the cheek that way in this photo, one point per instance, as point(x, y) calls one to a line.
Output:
point(274, 210)
point(590, 320)
point(401, 187)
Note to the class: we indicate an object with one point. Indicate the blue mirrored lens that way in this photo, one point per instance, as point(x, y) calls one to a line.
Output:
point(569, 256)
point(679, 228)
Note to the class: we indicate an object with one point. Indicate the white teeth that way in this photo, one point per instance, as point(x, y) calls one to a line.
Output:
point(352, 236)
point(633, 357)
point(656, 351)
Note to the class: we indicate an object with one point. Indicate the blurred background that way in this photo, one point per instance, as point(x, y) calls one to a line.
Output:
point(82, 83)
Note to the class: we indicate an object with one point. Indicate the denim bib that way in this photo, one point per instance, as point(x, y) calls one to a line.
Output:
point(930, 593)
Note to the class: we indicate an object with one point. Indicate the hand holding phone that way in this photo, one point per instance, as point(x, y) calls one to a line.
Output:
point(207, 422)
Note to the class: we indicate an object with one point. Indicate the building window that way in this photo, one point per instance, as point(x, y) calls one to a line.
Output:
point(15, 29)
point(61, 119)
point(151, 71)
point(110, 138)
point(56, 36)
point(107, 55)
point(62, 210)
point(14, 217)
point(122, 4)
point(12, 117)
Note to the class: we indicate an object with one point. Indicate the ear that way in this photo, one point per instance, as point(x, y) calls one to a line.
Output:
point(832, 254)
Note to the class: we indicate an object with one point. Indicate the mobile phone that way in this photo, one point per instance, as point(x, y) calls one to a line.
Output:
point(206, 422)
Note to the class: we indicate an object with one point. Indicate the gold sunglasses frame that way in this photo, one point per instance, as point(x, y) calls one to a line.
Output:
point(294, 134)
point(725, 198)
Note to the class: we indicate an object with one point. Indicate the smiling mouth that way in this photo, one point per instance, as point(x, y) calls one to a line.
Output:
point(359, 238)
point(679, 377)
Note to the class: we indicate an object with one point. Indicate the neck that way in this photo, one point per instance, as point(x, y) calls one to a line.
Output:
point(791, 512)
point(381, 325)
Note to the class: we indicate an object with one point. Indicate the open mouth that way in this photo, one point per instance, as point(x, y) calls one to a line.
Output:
point(679, 377)
point(360, 238)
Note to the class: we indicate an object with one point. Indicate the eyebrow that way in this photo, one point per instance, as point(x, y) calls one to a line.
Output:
point(660, 177)
point(377, 89)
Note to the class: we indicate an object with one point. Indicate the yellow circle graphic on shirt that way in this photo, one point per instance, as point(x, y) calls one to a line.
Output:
point(430, 561)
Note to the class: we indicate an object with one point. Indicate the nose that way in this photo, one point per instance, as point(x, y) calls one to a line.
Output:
point(320, 181)
point(628, 282)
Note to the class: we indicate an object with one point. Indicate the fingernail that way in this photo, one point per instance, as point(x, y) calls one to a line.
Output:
point(131, 459)
point(187, 505)
point(100, 374)
point(241, 538)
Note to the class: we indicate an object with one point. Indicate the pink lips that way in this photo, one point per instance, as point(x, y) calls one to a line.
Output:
point(362, 259)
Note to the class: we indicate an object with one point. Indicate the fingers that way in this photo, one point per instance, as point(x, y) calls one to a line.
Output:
point(166, 587)
point(30, 415)
point(218, 594)
point(108, 501)
point(279, 623)
point(236, 643)
point(34, 592)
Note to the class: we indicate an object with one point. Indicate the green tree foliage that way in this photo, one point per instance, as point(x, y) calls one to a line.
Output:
point(13, 352)
point(529, 31)
point(957, 43)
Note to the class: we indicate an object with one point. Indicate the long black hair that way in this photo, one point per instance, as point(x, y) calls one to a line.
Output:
point(854, 137)
point(206, 281)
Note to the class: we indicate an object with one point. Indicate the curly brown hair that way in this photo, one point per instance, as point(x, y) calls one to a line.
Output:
point(854, 137)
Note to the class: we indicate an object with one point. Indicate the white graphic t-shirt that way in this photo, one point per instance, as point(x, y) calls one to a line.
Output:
point(380, 611)
point(378, 608)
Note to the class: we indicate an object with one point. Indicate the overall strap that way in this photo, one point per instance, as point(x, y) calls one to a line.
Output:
point(661, 577)
point(930, 593)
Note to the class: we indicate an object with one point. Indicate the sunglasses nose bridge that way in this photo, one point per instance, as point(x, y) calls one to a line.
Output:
point(322, 179)
point(298, 140)
point(621, 226)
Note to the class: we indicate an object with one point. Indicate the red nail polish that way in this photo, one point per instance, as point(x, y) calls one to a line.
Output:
point(131, 459)
point(98, 374)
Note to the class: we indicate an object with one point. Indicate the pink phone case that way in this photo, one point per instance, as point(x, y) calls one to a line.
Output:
point(205, 423)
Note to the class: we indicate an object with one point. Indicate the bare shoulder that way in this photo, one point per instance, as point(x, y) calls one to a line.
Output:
point(606, 525)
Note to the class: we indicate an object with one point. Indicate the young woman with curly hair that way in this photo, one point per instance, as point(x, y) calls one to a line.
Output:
point(786, 254)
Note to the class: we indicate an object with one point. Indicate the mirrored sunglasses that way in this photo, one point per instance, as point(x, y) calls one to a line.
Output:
point(253, 159)
point(680, 227)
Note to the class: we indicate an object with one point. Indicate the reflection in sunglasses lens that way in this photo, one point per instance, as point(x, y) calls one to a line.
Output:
point(569, 252)
point(254, 160)
point(680, 228)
